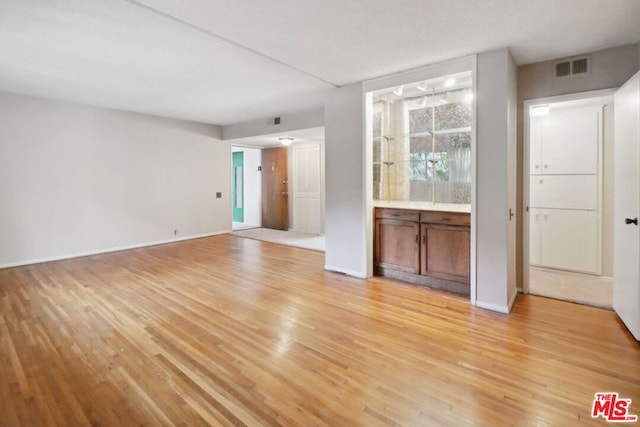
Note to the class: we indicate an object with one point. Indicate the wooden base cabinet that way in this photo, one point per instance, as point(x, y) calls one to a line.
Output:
point(429, 248)
point(398, 245)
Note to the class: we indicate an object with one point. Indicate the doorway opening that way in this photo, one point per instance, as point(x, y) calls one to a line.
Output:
point(568, 196)
point(238, 186)
point(246, 188)
point(283, 188)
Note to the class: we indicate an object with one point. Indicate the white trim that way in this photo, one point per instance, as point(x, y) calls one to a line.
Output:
point(367, 133)
point(504, 309)
point(104, 251)
point(499, 308)
point(525, 167)
point(473, 261)
point(351, 273)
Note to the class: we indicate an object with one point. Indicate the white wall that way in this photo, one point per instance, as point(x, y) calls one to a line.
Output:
point(512, 176)
point(252, 179)
point(288, 122)
point(345, 219)
point(495, 95)
point(77, 180)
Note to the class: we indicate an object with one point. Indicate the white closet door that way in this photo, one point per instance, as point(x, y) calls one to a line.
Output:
point(570, 240)
point(570, 141)
point(307, 187)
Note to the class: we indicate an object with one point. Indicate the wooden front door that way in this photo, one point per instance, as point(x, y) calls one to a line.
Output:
point(275, 200)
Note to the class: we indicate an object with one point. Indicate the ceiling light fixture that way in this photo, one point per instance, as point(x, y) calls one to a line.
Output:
point(398, 91)
point(421, 88)
point(449, 82)
point(286, 140)
point(539, 110)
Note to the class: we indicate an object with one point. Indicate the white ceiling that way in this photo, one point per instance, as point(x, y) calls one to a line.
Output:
point(300, 137)
point(228, 61)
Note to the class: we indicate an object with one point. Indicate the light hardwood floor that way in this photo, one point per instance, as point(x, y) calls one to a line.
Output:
point(232, 331)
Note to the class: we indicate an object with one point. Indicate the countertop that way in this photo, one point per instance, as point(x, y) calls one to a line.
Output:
point(424, 206)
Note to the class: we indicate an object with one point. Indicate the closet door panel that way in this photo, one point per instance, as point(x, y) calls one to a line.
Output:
point(535, 142)
point(535, 235)
point(564, 191)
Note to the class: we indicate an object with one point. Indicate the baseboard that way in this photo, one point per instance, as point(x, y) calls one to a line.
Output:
point(108, 250)
point(512, 300)
point(351, 273)
point(494, 307)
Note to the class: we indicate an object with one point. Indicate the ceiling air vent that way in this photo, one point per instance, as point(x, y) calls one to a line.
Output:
point(572, 67)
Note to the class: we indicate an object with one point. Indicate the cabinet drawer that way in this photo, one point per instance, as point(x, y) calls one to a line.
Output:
point(453, 218)
point(398, 214)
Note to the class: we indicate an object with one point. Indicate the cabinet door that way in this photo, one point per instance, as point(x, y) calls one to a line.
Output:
point(397, 245)
point(445, 251)
point(535, 145)
point(564, 191)
point(570, 141)
point(570, 240)
point(535, 235)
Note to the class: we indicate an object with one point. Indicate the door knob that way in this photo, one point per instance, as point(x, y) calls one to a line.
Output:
point(284, 193)
point(631, 221)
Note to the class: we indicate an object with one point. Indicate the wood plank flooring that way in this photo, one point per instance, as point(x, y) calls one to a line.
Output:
point(232, 331)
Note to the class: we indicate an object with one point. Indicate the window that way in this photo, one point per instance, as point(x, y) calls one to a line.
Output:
point(422, 141)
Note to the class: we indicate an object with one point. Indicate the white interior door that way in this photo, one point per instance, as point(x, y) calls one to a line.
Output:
point(626, 261)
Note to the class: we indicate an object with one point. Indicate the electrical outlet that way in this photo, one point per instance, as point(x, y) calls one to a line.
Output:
point(175, 231)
